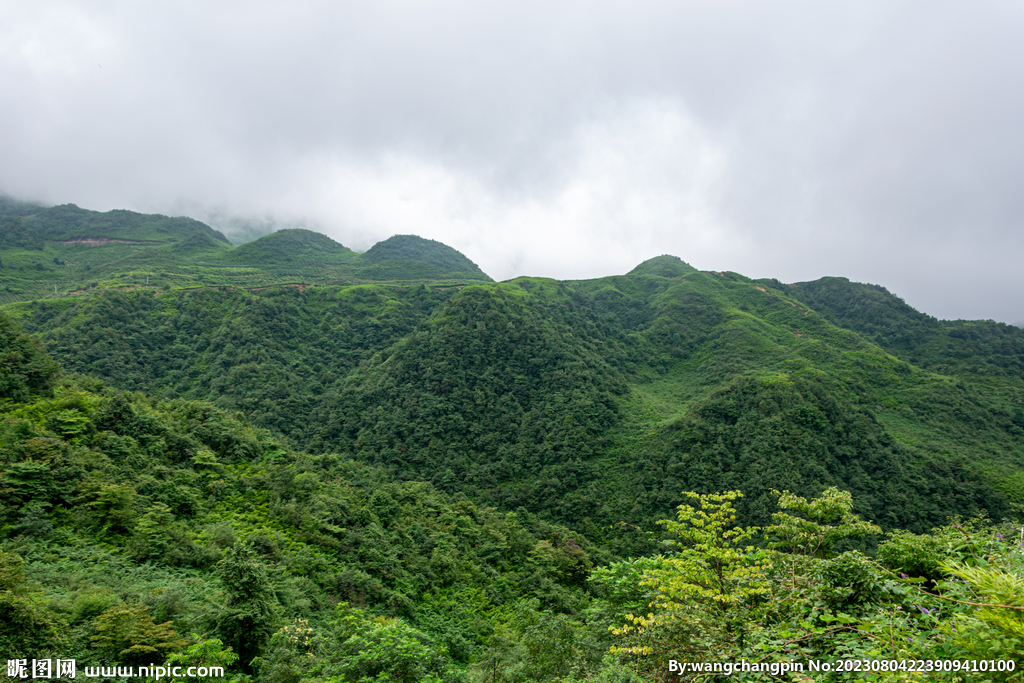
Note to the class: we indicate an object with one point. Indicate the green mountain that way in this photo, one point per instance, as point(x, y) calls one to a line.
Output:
point(68, 223)
point(290, 247)
point(664, 266)
point(65, 250)
point(408, 257)
point(386, 466)
point(586, 402)
point(977, 347)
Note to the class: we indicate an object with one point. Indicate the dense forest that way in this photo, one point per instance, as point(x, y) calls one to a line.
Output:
point(303, 463)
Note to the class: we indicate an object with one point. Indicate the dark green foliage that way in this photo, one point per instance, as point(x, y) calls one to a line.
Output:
point(248, 616)
point(27, 629)
point(560, 397)
point(14, 235)
point(916, 555)
point(146, 521)
point(356, 647)
point(12, 577)
point(795, 434)
point(536, 645)
point(976, 347)
point(34, 521)
point(488, 397)
point(274, 355)
point(25, 369)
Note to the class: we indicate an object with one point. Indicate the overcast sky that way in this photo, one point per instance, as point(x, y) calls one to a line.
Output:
point(881, 141)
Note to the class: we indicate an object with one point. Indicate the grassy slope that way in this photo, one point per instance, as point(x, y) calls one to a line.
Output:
point(969, 398)
point(707, 329)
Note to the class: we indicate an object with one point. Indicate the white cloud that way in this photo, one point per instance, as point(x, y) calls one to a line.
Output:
point(631, 178)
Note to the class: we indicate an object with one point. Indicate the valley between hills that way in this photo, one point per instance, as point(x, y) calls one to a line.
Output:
point(299, 462)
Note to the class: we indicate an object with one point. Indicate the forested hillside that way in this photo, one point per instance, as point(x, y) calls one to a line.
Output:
point(976, 347)
point(300, 460)
point(587, 402)
point(125, 509)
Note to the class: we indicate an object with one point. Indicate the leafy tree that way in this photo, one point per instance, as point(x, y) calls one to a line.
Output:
point(814, 527)
point(249, 613)
point(540, 645)
point(290, 654)
point(130, 635)
point(27, 628)
point(25, 369)
point(358, 648)
point(35, 521)
point(722, 599)
point(113, 510)
point(205, 652)
point(708, 597)
point(920, 555)
point(11, 576)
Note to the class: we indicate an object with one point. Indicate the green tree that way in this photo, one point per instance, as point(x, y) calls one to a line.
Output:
point(814, 527)
point(709, 596)
point(113, 510)
point(131, 635)
point(25, 369)
point(208, 652)
point(289, 657)
point(359, 648)
point(27, 629)
point(249, 613)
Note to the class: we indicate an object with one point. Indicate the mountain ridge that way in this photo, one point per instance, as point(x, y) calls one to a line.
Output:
point(664, 339)
point(65, 250)
point(325, 472)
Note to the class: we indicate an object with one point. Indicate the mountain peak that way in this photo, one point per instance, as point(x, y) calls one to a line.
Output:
point(290, 246)
point(664, 266)
point(427, 258)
